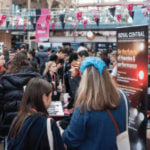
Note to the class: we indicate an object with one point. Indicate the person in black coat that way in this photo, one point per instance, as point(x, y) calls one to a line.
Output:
point(11, 90)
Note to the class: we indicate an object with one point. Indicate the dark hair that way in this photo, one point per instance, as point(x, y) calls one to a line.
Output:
point(32, 99)
point(18, 62)
point(63, 51)
point(82, 44)
point(61, 61)
point(31, 52)
point(6, 52)
point(53, 57)
point(41, 47)
point(49, 49)
point(83, 53)
point(73, 56)
point(23, 46)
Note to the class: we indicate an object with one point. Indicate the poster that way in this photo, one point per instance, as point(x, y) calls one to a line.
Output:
point(42, 26)
point(132, 78)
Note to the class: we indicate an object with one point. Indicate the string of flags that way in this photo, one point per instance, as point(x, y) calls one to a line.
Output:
point(79, 17)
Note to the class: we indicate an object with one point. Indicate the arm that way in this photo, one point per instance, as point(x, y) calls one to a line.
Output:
point(74, 135)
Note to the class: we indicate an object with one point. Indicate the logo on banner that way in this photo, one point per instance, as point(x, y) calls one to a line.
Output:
point(42, 27)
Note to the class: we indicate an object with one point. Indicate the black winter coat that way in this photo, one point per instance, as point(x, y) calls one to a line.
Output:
point(11, 91)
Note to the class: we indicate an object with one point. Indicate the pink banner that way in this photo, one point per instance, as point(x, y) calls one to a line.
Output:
point(42, 27)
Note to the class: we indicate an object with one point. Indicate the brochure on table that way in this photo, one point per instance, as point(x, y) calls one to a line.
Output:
point(56, 109)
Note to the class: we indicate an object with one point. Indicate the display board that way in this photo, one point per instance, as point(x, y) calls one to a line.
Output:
point(132, 78)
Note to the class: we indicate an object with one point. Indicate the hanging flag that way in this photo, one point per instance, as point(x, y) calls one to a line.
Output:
point(118, 17)
point(79, 16)
point(42, 26)
point(85, 23)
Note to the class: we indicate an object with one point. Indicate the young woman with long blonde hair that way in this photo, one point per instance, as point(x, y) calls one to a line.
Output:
point(50, 74)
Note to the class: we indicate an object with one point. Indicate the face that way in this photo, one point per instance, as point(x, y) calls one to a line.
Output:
point(59, 66)
point(47, 100)
point(2, 60)
point(53, 68)
point(11, 56)
point(73, 72)
point(112, 59)
point(61, 55)
point(29, 55)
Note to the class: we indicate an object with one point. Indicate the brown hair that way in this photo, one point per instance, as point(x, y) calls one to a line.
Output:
point(32, 99)
point(97, 92)
point(18, 62)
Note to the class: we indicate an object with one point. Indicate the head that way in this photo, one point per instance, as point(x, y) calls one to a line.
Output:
point(75, 69)
point(41, 48)
point(22, 48)
point(60, 63)
point(31, 54)
point(54, 58)
point(61, 53)
point(51, 67)
point(113, 57)
point(73, 57)
point(83, 54)
point(20, 60)
point(2, 60)
point(36, 99)
point(96, 91)
point(37, 95)
point(49, 50)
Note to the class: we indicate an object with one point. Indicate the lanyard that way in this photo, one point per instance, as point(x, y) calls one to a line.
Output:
point(53, 79)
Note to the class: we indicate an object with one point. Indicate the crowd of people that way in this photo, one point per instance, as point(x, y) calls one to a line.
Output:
point(31, 79)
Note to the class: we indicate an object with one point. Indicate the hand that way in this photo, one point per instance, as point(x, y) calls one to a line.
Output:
point(60, 129)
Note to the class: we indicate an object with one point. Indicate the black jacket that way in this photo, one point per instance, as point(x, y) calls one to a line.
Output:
point(11, 91)
point(55, 97)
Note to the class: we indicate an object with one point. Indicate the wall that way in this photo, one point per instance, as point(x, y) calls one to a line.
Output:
point(82, 39)
point(6, 38)
point(5, 5)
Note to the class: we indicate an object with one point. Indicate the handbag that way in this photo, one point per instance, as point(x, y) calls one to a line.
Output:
point(122, 138)
point(50, 134)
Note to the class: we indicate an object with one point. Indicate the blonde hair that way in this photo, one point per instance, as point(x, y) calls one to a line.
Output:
point(48, 65)
point(97, 92)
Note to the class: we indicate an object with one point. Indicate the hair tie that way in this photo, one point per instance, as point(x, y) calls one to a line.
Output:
point(95, 61)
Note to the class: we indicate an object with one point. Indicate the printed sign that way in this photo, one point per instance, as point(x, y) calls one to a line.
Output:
point(132, 78)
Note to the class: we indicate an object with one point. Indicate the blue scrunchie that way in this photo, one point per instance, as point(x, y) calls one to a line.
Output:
point(95, 61)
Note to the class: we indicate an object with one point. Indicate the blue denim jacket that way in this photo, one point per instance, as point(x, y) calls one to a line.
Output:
point(94, 130)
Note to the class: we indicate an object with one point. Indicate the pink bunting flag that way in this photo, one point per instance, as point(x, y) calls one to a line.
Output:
point(48, 18)
point(53, 26)
point(85, 23)
point(24, 26)
point(1, 22)
point(4, 17)
point(148, 8)
point(79, 16)
point(95, 17)
point(118, 17)
point(130, 8)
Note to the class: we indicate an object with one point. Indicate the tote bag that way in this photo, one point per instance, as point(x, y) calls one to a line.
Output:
point(122, 138)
